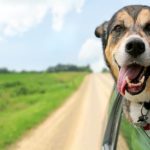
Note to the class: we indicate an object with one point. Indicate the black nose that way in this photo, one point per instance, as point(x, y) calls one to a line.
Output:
point(135, 47)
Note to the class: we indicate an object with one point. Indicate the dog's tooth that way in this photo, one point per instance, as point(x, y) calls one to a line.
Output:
point(130, 84)
point(134, 84)
point(127, 79)
point(142, 80)
point(139, 84)
point(144, 71)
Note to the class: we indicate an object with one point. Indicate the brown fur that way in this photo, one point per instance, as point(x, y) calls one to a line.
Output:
point(128, 21)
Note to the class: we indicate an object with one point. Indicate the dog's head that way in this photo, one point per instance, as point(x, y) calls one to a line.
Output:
point(126, 44)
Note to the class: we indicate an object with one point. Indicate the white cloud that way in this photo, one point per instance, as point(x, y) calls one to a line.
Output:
point(59, 9)
point(89, 49)
point(97, 66)
point(19, 16)
point(91, 53)
point(79, 5)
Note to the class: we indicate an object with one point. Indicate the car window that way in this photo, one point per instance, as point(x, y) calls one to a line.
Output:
point(132, 137)
point(129, 137)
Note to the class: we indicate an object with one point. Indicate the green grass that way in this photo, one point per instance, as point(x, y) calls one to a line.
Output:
point(28, 98)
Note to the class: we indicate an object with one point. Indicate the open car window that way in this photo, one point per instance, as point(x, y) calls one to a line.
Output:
point(119, 133)
point(132, 137)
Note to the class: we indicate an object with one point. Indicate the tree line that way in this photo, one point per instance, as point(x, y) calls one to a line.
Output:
point(53, 69)
point(65, 68)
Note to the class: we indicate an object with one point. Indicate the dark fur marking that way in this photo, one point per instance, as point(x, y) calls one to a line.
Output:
point(133, 11)
point(147, 105)
point(117, 36)
point(101, 32)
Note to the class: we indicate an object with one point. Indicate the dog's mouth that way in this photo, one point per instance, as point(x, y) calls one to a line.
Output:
point(132, 79)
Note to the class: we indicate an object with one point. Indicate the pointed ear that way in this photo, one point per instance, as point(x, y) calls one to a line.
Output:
point(100, 30)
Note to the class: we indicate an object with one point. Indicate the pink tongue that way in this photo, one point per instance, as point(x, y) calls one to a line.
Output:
point(130, 71)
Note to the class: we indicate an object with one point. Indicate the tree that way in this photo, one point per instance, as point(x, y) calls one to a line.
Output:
point(68, 67)
point(105, 70)
point(4, 70)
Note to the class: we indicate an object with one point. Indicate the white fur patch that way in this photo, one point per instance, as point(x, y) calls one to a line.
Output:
point(141, 97)
point(135, 112)
point(124, 59)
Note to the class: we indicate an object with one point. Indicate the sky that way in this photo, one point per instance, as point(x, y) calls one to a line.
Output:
point(36, 34)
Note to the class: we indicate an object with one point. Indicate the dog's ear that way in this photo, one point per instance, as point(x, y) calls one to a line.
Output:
point(100, 30)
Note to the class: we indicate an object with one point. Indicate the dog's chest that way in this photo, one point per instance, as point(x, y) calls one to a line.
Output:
point(137, 114)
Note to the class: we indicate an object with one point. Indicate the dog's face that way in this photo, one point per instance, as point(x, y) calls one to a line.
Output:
point(126, 44)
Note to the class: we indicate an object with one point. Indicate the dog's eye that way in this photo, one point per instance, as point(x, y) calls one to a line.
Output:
point(118, 28)
point(147, 28)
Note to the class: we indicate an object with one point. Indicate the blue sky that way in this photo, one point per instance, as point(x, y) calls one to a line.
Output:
point(35, 34)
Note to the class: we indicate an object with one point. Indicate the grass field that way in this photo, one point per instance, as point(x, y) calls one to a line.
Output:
point(27, 98)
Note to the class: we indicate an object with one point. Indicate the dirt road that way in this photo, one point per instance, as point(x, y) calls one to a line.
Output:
point(78, 124)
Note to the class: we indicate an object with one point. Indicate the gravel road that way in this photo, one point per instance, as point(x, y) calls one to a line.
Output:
point(78, 124)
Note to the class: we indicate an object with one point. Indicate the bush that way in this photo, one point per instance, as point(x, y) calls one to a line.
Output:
point(22, 91)
point(4, 70)
point(10, 84)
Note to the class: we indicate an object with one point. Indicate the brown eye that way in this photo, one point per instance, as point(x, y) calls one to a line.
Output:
point(147, 29)
point(118, 28)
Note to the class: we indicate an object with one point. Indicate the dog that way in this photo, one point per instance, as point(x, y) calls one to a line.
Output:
point(126, 47)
